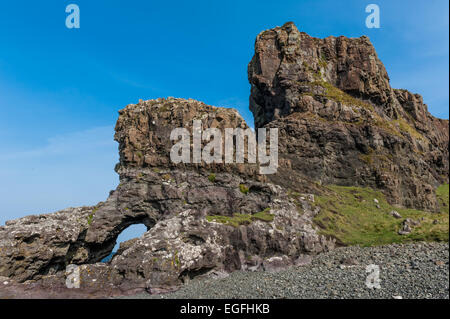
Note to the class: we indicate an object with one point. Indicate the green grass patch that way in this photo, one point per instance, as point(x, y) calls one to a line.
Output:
point(405, 127)
point(90, 218)
point(335, 94)
point(176, 262)
point(167, 178)
point(212, 177)
point(350, 215)
point(265, 215)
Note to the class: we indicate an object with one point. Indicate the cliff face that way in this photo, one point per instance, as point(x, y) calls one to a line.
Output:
point(200, 218)
point(341, 122)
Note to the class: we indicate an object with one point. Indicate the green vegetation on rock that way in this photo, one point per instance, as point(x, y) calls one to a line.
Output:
point(335, 94)
point(90, 218)
point(264, 215)
point(405, 127)
point(397, 127)
point(91, 215)
point(212, 177)
point(351, 215)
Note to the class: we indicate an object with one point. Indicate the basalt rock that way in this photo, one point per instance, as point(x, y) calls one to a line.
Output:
point(43, 244)
point(201, 219)
point(341, 122)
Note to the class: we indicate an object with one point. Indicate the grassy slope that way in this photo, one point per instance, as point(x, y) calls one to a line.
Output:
point(350, 215)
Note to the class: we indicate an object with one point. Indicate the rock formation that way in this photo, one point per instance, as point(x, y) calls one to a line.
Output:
point(339, 122)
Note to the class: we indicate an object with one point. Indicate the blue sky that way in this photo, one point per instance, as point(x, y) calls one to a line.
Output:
point(60, 89)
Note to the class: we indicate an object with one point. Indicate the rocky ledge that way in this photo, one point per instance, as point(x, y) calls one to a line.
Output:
point(339, 122)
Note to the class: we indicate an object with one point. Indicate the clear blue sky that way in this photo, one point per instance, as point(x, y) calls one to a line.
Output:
point(60, 89)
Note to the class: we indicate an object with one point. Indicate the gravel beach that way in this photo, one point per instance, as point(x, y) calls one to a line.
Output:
point(419, 270)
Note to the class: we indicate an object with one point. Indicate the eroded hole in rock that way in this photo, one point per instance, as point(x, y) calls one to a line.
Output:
point(126, 239)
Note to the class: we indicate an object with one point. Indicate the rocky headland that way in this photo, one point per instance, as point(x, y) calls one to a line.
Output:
point(345, 137)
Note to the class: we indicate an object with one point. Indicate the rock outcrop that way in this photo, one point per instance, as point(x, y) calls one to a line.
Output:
point(201, 219)
point(341, 122)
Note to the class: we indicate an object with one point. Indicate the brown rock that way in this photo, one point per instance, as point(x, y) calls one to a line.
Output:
point(340, 121)
point(174, 202)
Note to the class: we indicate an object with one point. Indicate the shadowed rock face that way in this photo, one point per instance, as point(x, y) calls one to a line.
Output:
point(341, 122)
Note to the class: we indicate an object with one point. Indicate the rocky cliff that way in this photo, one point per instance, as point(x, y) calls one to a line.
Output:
point(339, 122)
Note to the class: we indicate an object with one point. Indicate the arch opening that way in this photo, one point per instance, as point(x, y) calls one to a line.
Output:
point(131, 232)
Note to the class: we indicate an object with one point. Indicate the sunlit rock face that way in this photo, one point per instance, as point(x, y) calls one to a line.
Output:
point(341, 122)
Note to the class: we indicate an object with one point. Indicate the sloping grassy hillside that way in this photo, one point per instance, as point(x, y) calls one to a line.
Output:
point(350, 215)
